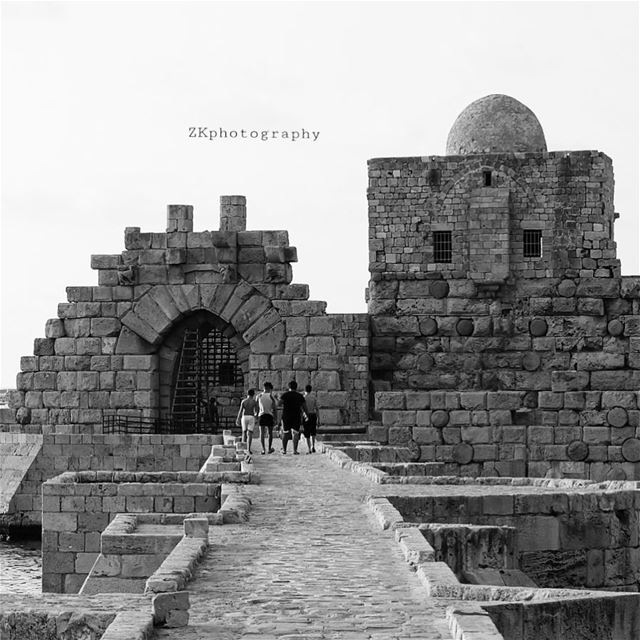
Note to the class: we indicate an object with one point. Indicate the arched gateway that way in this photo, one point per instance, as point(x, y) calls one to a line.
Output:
point(183, 318)
point(201, 378)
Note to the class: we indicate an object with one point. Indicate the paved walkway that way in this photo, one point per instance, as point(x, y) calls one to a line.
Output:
point(309, 564)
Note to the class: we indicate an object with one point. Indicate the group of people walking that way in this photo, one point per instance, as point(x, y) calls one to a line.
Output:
point(299, 415)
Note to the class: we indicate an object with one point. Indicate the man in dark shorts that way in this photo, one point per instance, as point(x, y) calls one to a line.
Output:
point(311, 423)
point(267, 415)
point(293, 413)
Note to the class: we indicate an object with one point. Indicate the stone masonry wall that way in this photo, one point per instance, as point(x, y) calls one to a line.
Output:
point(531, 364)
point(107, 351)
point(552, 378)
point(62, 452)
point(77, 507)
point(586, 538)
point(569, 196)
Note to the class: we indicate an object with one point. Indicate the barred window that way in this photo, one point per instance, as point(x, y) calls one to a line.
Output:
point(532, 243)
point(442, 246)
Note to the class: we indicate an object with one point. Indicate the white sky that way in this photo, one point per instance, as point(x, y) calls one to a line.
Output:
point(97, 98)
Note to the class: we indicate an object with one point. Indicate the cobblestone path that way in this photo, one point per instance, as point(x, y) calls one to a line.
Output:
point(310, 563)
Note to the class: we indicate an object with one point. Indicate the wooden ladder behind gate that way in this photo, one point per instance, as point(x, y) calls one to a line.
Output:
point(185, 409)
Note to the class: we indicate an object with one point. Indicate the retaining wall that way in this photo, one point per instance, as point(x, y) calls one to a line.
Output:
point(584, 538)
point(77, 507)
point(60, 452)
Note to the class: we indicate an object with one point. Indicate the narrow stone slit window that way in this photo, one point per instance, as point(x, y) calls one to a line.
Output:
point(532, 243)
point(442, 246)
point(487, 178)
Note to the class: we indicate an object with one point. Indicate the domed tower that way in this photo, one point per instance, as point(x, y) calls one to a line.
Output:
point(496, 124)
point(496, 208)
point(468, 248)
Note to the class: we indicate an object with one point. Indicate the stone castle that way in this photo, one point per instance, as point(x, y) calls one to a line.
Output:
point(489, 400)
point(501, 337)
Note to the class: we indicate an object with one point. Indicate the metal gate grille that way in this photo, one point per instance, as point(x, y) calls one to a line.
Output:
point(208, 383)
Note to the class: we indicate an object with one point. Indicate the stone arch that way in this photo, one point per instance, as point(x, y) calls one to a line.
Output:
point(159, 317)
point(477, 168)
point(242, 306)
point(209, 383)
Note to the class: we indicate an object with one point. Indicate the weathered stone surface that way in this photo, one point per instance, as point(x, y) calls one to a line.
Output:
point(617, 417)
point(464, 327)
point(567, 288)
point(439, 289)
point(538, 327)
point(462, 453)
point(615, 327)
point(631, 450)
point(440, 418)
point(577, 450)
point(428, 326)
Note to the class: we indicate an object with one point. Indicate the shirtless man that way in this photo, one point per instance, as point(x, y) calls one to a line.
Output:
point(267, 415)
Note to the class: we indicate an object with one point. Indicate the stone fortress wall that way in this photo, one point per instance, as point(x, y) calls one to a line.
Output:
point(512, 349)
point(522, 363)
point(113, 347)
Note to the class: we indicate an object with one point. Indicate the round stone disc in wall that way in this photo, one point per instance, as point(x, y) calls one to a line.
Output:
point(530, 361)
point(425, 362)
point(631, 450)
point(577, 450)
point(616, 474)
point(439, 289)
point(615, 327)
point(617, 417)
point(462, 453)
point(567, 288)
point(538, 327)
point(428, 327)
point(464, 327)
point(440, 418)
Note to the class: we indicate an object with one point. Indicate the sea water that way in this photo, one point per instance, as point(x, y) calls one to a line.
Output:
point(20, 566)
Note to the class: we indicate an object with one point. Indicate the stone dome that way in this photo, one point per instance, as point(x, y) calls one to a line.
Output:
point(495, 124)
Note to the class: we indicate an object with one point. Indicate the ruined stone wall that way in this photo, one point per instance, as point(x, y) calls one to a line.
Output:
point(112, 349)
point(569, 539)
